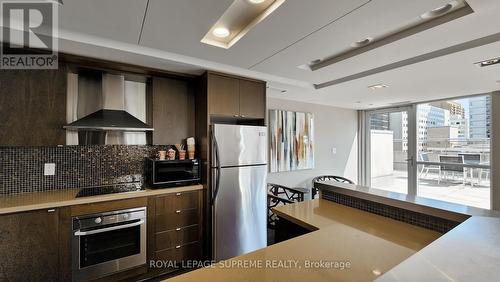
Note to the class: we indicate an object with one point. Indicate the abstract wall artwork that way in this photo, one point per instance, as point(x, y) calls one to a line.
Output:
point(292, 140)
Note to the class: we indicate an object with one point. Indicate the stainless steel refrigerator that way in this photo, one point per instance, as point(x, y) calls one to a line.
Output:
point(238, 182)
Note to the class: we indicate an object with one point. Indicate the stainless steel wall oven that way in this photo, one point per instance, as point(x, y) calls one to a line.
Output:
point(108, 242)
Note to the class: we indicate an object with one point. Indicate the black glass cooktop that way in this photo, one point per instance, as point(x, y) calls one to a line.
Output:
point(110, 189)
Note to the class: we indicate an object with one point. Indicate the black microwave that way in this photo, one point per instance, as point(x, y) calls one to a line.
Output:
point(166, 173)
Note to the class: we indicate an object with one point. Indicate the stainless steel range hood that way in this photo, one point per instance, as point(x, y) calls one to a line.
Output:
point(105, 109)
point(109, 120)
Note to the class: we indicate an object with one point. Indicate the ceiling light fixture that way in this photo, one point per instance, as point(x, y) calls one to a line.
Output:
point(221, 32)
point(377, 86)
point(489, 62)
point(451, 11)
point(440, 11)
point(238, 19)
point(362, 42)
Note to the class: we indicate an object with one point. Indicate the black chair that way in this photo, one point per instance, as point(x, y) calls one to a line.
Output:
point(326, 178)
point(280, 195)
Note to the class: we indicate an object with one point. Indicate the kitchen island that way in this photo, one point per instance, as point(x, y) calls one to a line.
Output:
point(344, 244)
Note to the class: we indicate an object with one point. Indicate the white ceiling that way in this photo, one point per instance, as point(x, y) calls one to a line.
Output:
point(295, 34)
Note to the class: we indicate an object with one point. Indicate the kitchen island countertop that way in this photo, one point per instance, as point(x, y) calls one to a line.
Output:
point(344, 244)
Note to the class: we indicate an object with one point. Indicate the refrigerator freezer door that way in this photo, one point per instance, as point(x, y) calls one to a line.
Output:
point(240, 144)
point(240, 211)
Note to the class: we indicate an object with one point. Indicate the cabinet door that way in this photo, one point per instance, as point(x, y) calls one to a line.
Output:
point(33, 107)
point(252, 99)
point(29, 246)
point(173, 110)
point(223, 95)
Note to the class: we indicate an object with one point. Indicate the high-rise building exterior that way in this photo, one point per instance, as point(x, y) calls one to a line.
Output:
point(462, 124)
point(455, 109)
point(480, 117)
point(427, 117)
point(379, 121)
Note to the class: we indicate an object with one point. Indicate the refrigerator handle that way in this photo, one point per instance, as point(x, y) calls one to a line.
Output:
point(217, 169)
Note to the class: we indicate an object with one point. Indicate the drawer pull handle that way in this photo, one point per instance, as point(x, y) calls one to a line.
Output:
point(178, 246)
point(51, 210)
point(178, 194)
point(178, 229)
point(178, 211)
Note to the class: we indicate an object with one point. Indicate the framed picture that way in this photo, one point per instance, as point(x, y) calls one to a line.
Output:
point(291, 140)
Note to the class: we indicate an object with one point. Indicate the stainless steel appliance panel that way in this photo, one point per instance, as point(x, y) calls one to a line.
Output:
point(108, 242)
point(240, 144)
point(240, 211)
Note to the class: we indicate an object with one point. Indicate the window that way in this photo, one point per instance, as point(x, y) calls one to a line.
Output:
point(463, 140)
point(448, 160)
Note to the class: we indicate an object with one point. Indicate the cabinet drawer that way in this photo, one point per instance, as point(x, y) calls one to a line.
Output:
point(178, 236)
point(177, 201)
point(191, 251)
point(178, 218)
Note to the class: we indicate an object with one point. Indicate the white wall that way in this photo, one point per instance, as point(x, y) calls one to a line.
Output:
point(333, 128)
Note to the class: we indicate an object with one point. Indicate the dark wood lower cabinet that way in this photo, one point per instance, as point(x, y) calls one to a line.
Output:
point(29, 246)
point(36, 245)
point(176, 238)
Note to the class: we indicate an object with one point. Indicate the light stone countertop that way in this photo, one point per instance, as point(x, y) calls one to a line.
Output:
point(470, 252)
point(66, 197)
point(370, 243)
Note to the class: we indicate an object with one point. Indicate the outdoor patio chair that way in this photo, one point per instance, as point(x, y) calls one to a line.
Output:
point(473, 159)
point(424, 157)
point(453, 169)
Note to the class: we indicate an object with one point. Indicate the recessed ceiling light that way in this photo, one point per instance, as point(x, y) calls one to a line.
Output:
point(488, 62)
point(238, 19)
point(440, 11)
point(221, 32)
point(376, 272)
point(377, 86)
point(304, 67)
point(362, 42)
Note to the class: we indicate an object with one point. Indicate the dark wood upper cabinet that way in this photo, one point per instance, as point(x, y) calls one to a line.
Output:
point(33, 107)
point(223, 95)
point(30, 246)
point(173, 104)
point(236, 97)
point(252, 99)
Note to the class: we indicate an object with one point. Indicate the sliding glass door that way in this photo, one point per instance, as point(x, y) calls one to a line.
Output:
point(438, 150)
point(389, 138)
point(454, 150)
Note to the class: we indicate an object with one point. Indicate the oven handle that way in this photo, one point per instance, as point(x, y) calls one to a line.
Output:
point(83, 233)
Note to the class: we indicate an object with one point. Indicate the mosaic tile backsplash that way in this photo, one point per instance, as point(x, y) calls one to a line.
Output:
point(21, 168)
